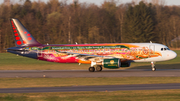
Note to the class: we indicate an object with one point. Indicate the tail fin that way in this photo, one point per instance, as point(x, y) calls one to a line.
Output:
point(21, 34)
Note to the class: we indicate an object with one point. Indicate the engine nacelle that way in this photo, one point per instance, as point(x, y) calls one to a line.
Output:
point(125, 64)
point(112, 63)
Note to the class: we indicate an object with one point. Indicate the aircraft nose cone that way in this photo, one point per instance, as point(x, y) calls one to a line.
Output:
point(173, 55)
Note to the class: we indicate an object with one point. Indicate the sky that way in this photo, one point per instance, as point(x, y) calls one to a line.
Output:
point(99, 2)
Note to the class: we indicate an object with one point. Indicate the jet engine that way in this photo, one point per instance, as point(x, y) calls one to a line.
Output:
point(125, 64)
point(112, 63)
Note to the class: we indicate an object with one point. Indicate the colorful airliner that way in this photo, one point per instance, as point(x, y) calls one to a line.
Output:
point(104, 55)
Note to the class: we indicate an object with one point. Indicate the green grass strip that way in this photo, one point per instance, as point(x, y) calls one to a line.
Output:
point(59, 82)
point(145, 95)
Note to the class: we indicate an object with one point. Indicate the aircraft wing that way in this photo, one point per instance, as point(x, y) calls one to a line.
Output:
point(86, 57)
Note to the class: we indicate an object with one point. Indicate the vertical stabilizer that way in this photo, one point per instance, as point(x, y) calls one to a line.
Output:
point(21, 34)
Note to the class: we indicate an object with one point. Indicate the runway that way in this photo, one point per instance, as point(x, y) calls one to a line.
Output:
point(92, 88)
point(86, 73)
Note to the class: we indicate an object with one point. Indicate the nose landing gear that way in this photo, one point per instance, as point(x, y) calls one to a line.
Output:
point(153, 66)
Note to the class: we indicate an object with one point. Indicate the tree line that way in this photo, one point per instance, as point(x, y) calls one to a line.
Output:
point(58, 22)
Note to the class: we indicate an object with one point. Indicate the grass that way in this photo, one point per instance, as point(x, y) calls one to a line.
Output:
point(59, 82)
point(10, 61)
point(148, 95)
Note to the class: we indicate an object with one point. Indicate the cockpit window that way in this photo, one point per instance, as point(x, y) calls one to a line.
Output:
point(164, 49)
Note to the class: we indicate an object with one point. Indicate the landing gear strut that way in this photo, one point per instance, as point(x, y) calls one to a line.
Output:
point(153, 66)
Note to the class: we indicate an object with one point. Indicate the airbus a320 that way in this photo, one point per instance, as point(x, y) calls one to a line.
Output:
point(99, 56)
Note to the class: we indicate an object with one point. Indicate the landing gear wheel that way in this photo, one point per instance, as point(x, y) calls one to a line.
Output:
point(99, 68)
point(153, 66)
point(91, 69)
point(153, 69)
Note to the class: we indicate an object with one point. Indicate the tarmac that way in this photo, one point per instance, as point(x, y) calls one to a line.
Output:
point(105, 88)
point(87, 74)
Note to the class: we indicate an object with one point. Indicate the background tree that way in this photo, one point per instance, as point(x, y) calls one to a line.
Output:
point(109, 26)
point(120, 16)
point(139, 25)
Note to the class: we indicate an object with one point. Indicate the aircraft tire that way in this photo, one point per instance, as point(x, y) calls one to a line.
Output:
point(91, 69)
point(153, 69)
point(99, 68)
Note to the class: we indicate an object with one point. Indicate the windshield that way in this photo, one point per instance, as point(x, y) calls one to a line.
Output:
point(164, 49)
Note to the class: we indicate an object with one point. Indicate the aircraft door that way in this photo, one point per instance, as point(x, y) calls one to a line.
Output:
point(151, 49)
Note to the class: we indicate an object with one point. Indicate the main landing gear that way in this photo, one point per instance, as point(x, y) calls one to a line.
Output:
point(153, 66)
point(94, 64)
point(91, 69)
point(98, 69)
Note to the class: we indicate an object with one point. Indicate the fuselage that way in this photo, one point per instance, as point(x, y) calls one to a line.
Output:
point(134, 52)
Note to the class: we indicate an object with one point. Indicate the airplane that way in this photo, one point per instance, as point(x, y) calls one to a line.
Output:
point(99, 56)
